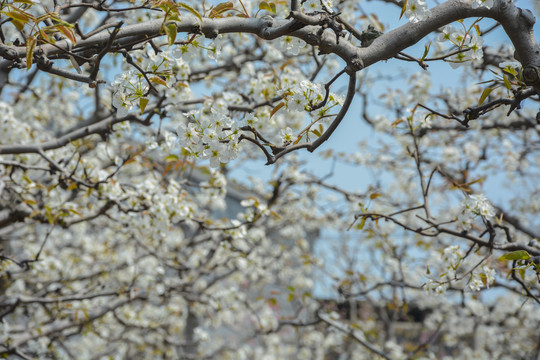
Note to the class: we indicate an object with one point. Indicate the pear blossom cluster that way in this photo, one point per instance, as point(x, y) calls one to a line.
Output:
point(150, 241)
point(316, 5)
point(302, 96)
point(482, 3)
point(462, 39)
point(10, 127)
point(472, 207)
point(482, 279)
point(417, 10)
point(209, 134)
point(291, 45)
point(459, 270)
point(165, 70)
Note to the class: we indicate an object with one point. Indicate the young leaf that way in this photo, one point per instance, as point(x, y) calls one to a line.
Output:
point(158, 80)
point(44, 35)
point(396, 123)
point(360, 226)
point(276, 108)
point(171, 33)
point(271, 7)
point(142, 103)
point(522, 273)
point(68, 33)
point(516, 255)
point(484, 95)
point(19, 15)
point(511, 71)
point(30, 202)
point(221, 8)
point(191, 10)
point(507, 83)
point(483, 277)
point(426, 51)
point(403, 9)
point(171, 158)
point(30, 46)
point(18, 24)
point(18, 18)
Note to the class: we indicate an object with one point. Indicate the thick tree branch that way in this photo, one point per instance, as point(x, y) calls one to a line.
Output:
point(516, 22)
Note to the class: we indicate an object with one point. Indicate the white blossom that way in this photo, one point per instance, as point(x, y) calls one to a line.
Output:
point(417, 10)
point(482, 3)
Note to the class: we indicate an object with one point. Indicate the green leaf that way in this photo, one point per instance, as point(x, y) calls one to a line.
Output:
point(426, 51)
point(142, 103)
point(516, 255)
point(291, 297)
point(483, 277)
point(522, 273)
point(171, 33)
point(171, 158)
point(19, 15)
point(511, 71)
point(18, 24)
point(507, 83)
point(191, 10)
point(18, 18)
point(75, 212)
point(221, 8)
point(49, 215)
point(30, 202)
point(360, 226)
point(173, 17)
point(484, 95)
point(271, 7)
point(158, 80)
point(30, 46)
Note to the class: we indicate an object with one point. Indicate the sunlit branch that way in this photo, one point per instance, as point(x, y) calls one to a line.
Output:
point(328, 132)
